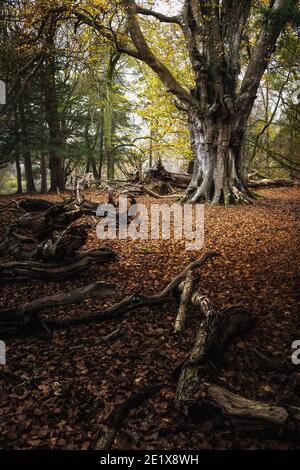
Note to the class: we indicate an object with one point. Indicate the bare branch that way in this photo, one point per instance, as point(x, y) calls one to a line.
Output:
point(158, 16)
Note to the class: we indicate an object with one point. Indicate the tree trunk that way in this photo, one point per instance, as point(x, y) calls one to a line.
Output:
point(91, 164)
point(30, 187)
point(43, 173)
point(19, 175)
point(217, 176)
point(108, 115)
point(17, 135)
point(56, 161)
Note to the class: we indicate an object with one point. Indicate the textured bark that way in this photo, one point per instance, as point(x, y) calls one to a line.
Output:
point(216, 177)
point(214, 333)
point(62, 245)
point(241, 414)
point(184, 301)
point(43, 224)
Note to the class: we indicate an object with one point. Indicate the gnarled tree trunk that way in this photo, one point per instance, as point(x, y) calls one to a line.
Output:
point(217, 175)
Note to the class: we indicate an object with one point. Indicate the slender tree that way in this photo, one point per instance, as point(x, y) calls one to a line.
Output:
point(108, 114)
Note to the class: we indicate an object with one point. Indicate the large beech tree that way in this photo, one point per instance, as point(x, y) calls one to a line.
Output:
point(222, 99)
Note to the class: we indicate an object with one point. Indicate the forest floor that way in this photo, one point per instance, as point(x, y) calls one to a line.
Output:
point(58, 393)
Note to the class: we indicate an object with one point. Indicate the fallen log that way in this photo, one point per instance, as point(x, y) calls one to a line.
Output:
point(61, 245)
point(270, 183)
point(244, 415)
point(19, 271)
point(182, 180)
point(26, 313)
point(58, 217)
point(39, 227)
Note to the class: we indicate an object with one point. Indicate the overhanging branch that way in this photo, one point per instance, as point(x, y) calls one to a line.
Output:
point(159, 16)
point(147, 56)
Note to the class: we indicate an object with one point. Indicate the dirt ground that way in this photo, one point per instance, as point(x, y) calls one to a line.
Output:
point(56, 396)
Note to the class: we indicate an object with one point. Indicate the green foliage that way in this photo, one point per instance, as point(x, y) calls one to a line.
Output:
point(289, 13)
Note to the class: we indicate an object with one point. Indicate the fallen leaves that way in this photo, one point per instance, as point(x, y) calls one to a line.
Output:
point(81, 380)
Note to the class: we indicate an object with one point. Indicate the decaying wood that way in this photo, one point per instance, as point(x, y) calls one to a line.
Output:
point(62, 244)
point(15, 271)
point(118, 415)
point(241, 414)
point(270, 183)
point(215, 331)
point(28, 312)
point(196, 397)
point(189, 284)
point(43, 224)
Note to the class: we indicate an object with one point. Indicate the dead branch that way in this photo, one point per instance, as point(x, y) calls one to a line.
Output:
point(116, 418)
point(136, 301)
point(26, 313)
point(189, 284)
point(16, 271)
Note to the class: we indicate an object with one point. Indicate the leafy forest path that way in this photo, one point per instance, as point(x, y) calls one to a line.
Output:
point(57, 393)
